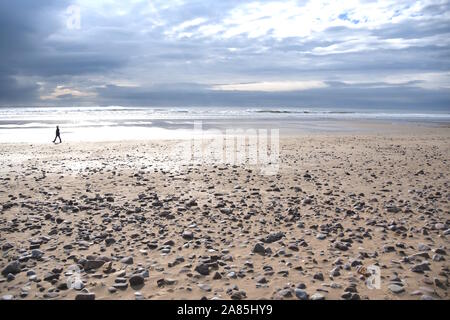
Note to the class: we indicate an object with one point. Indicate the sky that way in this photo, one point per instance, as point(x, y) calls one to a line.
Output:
point(354, 54)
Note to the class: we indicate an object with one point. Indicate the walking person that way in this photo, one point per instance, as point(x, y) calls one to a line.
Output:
point(58, 135)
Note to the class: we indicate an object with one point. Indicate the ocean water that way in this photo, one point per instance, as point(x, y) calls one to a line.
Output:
point(37, 124)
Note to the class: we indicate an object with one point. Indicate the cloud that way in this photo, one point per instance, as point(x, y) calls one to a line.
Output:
point(62, 92)
point(275, 86)
point(232, 52)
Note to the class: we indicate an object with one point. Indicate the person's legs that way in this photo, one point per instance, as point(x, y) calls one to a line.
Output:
point(60, 141)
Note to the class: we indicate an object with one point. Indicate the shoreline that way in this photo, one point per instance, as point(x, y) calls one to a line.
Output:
point(186, 131)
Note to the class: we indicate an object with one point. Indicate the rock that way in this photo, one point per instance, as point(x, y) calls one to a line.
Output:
point(127, 260)
point(440, 284)
point(93, 264)
point(393, 209)
point(396, 288)
point(62, 286)
point(8, 297)
point(136, 280)
point(203, 269)
point(261, 279)
point(335, 272)
point(238, 295)
point(423, 247)
point(285, 293)
point(50, 276)
point(273, 237)
point(301, 294)
point(420, 268)
point(110, 241)
point(301, 286)
point(341, 246)
point(112, 290)
point(347, 296)
point(388, 249)
point(321, 236)
point(217, 276)
point(317, 296)
point(85, 296)
point(165, 282)
point(36, 254)
point(121, 286)
point(438, 257)
point(318, 276)
point(205, 287)
point(259, 249)
point(439, 226)
point(77, 285)
point(12, 267)
point(188, 235)
point(7, 246)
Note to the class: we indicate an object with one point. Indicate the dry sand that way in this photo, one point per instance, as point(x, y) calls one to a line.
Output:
point(137, 228)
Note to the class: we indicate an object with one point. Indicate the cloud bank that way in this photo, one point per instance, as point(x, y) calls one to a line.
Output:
point(387, 54)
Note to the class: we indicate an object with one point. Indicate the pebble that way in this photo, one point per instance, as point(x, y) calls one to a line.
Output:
point(136, 280)
point(85, 296)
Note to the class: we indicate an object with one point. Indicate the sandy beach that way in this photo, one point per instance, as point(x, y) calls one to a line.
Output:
point(116, 220)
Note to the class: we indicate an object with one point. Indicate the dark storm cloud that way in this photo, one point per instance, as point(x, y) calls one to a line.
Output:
point(373, 95)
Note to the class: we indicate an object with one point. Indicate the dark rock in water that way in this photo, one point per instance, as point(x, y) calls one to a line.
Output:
point(12, 267)
point(273, 237)
point(203, 269)
point(136, 280)
point(259, 248)
point(85, 296)
point(93, 264)
point(127, 260)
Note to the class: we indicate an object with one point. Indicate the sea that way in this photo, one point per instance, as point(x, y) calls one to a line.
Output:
point(117, 123)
